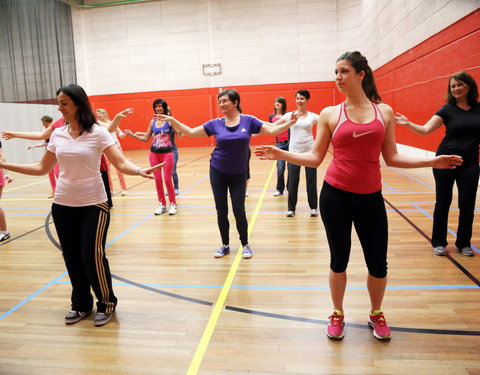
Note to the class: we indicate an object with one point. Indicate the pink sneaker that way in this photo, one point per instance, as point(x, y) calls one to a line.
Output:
point(335, 329)
point(377, 322)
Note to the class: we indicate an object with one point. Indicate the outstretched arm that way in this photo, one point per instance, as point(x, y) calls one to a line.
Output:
point(44, 144)
point(141, 136)
point(121, 163)
point(431, 125)
point(394, 159)
point(35, 136)
point(44, 166)
point(307, 159)
point(199, 131)
point(113, 125)
point(279, 126)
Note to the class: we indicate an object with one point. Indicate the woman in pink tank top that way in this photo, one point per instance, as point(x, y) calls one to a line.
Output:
point(359, 129)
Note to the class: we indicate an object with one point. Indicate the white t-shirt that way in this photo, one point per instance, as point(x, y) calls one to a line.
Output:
point(80, 182)
point(301, 137)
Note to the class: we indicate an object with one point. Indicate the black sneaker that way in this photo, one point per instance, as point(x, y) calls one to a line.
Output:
point(102, 318)
point(75, 316)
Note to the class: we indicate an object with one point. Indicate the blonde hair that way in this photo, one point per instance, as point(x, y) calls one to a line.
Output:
point(103, 112)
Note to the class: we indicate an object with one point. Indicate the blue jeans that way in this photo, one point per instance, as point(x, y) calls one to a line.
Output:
point(281, 168)
point(174, 170)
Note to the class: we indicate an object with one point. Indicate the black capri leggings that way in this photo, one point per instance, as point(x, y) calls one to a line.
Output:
point(237, 184)
point(339, 209)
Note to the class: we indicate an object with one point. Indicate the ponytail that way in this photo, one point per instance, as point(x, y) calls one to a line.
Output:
point(360, 63)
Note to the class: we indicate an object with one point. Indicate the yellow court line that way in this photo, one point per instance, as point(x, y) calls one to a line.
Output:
point(218, 307)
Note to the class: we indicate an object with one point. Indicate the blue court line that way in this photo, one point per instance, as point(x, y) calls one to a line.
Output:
point(448, 229)
point(413, 178)
point(406, 287)
point(32, 296)
point(384, 184)
point(56, 280)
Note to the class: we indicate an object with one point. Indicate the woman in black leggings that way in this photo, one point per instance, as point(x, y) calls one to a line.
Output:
point(461, 116)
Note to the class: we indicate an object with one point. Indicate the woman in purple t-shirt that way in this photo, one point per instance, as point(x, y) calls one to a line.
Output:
point(229, 161)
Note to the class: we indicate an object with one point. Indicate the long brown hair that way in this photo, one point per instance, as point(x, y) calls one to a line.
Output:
point(360, 63)
point(466, 78)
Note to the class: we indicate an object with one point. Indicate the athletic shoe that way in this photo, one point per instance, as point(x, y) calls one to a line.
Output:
point(247, 252)
point(246, 193)
point(75, 316)
point(161, 209)
point(467, 251)
point(173, 209)
point(336, 327)
point(52, 194)
point(377, 322)
point(314, 213)
point(290, 213)
point(4, 236)
point(123, 193)
point(102, 318)
point(222, 251)
point(277, 193)
point(177, 192)
point(439, 250)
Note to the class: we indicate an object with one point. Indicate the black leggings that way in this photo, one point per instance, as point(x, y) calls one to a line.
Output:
point(466, 177)
point(339, 208)
point(237, 184)
point(82, 232)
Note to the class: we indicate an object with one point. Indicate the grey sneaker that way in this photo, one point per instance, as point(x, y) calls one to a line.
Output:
point(467, 251)
point(440, 251)
point(222, 251)
point(290, 213)
point(102, 318)
point(75, 316)
point(247, 252)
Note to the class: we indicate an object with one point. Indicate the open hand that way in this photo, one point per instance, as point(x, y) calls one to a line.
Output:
point(401, 119)
point(148, 172)
point(7, 135)
point(267, 152)
point(447, 161)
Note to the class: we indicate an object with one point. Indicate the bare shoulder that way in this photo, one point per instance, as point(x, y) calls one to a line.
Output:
point(385, 109)
point(329, 115)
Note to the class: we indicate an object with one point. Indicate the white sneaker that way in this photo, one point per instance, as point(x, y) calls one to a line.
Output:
point(290, 214)
point(277, 193)
point(160, 210)
point(177, 192)
point(173, 209)
point(246, 193)
point(123, 193)
point(4, 236)
point(314, 213)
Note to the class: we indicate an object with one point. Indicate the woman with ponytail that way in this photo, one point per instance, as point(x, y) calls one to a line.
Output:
point(359, 129)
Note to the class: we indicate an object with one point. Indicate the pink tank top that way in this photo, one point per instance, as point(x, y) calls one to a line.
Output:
point(356, 154)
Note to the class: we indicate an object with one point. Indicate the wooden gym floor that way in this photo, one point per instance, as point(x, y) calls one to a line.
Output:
point(181, 311)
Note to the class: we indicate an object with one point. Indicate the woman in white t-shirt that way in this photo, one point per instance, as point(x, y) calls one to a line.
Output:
point(301, 140)
point(80, 211)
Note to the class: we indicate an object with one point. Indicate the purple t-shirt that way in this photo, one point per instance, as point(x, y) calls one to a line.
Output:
point(231, 153)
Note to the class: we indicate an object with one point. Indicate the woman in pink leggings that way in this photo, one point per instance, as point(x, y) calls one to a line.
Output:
point(160, 151)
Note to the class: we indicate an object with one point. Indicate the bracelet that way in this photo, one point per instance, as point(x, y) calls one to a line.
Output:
point(138, 170)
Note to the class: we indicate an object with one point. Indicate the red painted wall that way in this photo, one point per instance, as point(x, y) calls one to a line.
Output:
point(414, 84)
point(197, 106)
